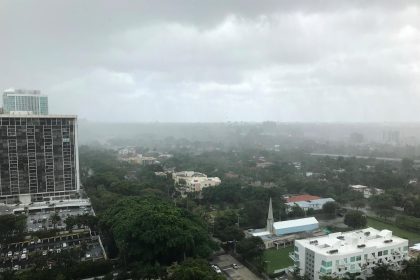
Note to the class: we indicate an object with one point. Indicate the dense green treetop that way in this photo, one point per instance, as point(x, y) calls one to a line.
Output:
point(11, 225)
point(193, 269)
point(355, 219)
point(149, 229)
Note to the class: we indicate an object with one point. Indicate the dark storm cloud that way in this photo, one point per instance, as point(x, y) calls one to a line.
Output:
point(216, 60)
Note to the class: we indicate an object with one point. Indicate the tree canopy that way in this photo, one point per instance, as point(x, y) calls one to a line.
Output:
point(149, 229)
point(11, 225)
point(193, 269)
point(355, 219)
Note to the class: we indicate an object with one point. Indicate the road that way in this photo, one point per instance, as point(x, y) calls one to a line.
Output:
point(242, 272)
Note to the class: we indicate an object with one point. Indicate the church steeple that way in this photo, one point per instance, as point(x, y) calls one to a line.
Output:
point(270, 219)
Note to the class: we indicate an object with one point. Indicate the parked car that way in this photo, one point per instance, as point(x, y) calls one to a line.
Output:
point(216, 268)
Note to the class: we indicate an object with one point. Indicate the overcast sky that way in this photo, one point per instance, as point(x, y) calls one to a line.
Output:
point(198, 61)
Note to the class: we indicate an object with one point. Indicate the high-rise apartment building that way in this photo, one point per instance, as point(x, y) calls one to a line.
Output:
point(30, 101)
point(38, 157)
point(355, 252)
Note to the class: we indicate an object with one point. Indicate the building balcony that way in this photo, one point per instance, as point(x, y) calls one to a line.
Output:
point(293, 257)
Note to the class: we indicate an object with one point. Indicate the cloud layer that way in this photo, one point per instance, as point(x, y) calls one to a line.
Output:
point(131, 61)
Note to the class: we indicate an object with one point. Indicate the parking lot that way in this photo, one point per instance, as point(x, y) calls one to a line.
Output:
point(20, 255)
point(233, 269)
point(41, 220)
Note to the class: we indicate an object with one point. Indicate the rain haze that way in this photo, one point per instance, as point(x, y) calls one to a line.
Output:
point(210, 139)
point(216, 61)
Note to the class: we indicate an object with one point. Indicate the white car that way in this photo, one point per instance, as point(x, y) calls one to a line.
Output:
point(9, 254)
point(24, 251)
point(87, 255)
point(23, 257)
point(44, 253)
point(64, 245)
point(216, 268)
point(16, 267)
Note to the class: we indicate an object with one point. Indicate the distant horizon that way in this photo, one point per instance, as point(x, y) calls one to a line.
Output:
point(254, 122)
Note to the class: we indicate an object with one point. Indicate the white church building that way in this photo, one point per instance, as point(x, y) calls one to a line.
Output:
point(283, 233)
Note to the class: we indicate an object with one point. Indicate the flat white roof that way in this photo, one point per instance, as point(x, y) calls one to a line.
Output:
point(260, 233)
point(352, 241)
point(358, 186)
point(295, 223)
point(37, 116)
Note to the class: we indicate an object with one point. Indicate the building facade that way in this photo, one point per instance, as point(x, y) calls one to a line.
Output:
point(356, 252)
point(19, 100)
point(38, 157)
point(194, 181)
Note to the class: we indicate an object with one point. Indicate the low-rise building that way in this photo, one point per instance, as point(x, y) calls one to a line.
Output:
point(283, 233)
point(302, 197)
point(316, 204)
point(356, 252)
point(194, 181)
point(367, 191)
point(307, 202)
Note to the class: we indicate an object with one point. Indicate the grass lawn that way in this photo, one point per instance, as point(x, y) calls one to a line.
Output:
point(278, 259)
point(395, 230)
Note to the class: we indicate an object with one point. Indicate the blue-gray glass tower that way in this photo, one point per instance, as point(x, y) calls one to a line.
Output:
point(20, 100)
point(38, 157)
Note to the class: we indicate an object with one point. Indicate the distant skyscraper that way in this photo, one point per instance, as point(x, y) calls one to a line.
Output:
point(38, 157)
point(19, 100)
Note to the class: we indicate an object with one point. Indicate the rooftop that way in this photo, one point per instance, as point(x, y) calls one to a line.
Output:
point(12, 91)
point(352, 241)
point(305, 204)
point(358, 187)
point(37, 116)
point(295, 223)
point(304, 197)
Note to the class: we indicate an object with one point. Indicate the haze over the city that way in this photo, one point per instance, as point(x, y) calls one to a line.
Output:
point(216, 61)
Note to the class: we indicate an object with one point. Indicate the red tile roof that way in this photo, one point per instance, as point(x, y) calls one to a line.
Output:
point(304, 197)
